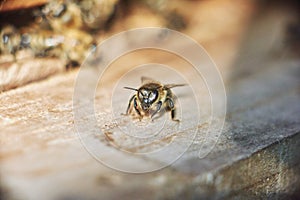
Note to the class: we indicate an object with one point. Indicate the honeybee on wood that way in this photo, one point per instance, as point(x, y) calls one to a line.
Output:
point(151, 98)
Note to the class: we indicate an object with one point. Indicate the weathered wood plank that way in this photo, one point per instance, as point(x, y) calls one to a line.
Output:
point(16, 74)
point(41, 155)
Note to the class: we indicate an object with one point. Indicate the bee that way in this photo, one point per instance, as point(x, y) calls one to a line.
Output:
point(72, 46)
point(98, 14)
point(41, 43)
point(85, 15)
point(77, 45)
point(14, 40)
point(59, 15)
point(151, 98)
point(166, 9)
point(10, 40)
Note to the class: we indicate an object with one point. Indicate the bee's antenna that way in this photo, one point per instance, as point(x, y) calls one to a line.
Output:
point(129, 88)
point(169, 86)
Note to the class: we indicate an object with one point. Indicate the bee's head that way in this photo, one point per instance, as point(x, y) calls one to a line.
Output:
point(54, 10)
point(147, 97)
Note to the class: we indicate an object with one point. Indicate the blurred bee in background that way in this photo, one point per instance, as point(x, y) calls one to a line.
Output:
point(10, 40)
point(66, 28)
point(72, 46)
point(76, 45)
point(76, 14)
point(65, 18)
point(40, 43)
point(59, 15)
point(166, 9)
point(13, 40)
point(97, 14)
point(151, 98)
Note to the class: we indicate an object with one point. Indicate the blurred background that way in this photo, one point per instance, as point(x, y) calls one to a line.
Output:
point(68, 30)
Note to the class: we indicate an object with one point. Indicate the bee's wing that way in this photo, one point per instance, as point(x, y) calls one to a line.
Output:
point(146, 79)
point(168, 86)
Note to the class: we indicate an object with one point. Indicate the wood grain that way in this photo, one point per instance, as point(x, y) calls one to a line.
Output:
point(257, 155)
point(15, 74)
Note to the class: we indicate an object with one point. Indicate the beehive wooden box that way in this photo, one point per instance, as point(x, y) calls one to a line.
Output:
point(256, 156)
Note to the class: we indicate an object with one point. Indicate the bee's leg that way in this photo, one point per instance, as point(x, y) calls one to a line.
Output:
point(135, 106)
point(172, 108)
point(129, 105)
point(173, 115)
point(71, 64)
point(14, 53)
point(15, 56)
point(158, 107)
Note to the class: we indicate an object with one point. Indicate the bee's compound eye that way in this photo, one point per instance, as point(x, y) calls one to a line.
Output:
point(5, 38)
point(60, 10)
point(152, 96)
point(140, 94)
point(143, 92)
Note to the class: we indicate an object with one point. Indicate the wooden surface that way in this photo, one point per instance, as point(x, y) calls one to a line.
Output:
point(255, 156)
point(9, 5)
point(15, 74)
